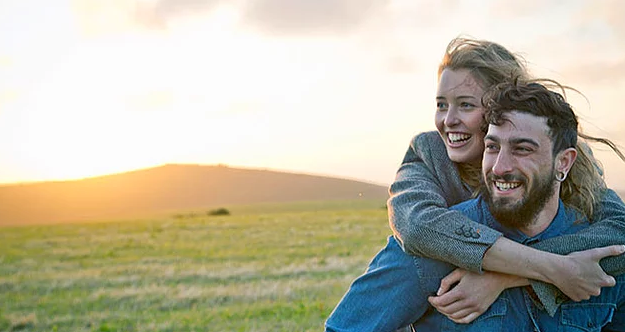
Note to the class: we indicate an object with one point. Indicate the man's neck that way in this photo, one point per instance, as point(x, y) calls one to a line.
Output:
point(544, 218)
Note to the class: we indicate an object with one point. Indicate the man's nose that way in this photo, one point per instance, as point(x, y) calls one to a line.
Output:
point(451, 118)
point(503, 164)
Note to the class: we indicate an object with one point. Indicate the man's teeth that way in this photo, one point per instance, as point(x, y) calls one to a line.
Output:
point(454, 138)
point(504, 186)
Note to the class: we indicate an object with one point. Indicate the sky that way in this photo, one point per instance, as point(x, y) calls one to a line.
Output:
point(326, 87)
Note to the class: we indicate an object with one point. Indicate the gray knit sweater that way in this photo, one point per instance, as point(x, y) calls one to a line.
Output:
point(428, 182)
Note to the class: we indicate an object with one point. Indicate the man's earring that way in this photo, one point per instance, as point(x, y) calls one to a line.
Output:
point(560, 176)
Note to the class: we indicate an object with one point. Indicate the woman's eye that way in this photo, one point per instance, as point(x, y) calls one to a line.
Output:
point(441, 105)
point(466, 105)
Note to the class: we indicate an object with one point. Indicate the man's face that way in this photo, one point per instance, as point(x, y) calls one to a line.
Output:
point(518, 169)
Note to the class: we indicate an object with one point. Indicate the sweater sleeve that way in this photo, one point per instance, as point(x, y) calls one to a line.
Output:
point(426, 184)
point(608, 229)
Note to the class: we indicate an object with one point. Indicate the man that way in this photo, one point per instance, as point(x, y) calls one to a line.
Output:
point(529, 150)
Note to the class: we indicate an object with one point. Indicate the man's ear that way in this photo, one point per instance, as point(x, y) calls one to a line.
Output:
point(565, 160)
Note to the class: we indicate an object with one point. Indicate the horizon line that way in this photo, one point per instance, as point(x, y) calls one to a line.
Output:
point(19, 183)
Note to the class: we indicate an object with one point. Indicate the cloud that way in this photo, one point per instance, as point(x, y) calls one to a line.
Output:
point(288, 17)
point(526, 8)
point(278, 17)
point(157, 14)
point(599, 73)
point(609, 12)
point(590, 50)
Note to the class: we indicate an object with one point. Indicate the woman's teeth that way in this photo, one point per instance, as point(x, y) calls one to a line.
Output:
point(455, 138)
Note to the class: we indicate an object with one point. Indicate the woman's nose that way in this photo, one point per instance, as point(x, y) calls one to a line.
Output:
point(451, 118)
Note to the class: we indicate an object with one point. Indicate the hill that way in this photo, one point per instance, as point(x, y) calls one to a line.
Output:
point(169, 188)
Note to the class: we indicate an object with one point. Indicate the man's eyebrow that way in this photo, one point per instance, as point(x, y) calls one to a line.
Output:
point(514, 140)
point(522, 140)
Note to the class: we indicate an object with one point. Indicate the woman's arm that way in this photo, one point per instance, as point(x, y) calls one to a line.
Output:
point(426, 184)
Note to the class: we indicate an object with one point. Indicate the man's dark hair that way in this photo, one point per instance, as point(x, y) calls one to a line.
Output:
point(536, 99)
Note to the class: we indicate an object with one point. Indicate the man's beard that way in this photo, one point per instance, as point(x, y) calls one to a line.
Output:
point(515, 213)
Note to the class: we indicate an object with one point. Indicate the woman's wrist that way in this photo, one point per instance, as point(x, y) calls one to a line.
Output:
point(509, 257)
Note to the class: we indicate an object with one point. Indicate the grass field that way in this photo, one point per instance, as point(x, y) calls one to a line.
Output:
point(264, 268)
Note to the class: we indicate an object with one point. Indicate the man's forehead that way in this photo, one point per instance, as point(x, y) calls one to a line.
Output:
point(520, 125)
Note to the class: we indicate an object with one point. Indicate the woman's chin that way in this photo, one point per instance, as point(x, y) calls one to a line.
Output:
point(464, 158)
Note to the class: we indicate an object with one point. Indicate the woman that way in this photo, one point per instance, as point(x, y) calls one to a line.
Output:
point(442, 169)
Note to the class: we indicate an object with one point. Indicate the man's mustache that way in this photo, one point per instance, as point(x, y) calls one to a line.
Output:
point(506, 178)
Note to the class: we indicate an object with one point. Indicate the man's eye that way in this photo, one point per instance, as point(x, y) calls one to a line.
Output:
point(491, 147)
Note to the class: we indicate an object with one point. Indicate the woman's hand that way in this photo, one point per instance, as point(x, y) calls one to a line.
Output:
point(472, 294)
point(579, 275)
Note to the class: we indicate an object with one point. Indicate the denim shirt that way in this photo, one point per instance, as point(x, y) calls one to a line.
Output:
point(516, 310)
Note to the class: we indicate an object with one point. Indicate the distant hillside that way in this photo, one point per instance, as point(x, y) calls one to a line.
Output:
point(168, 188)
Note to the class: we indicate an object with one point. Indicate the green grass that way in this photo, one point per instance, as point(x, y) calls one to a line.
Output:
point(269, 268)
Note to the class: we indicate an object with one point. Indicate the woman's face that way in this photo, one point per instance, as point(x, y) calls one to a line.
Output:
point(459, 115)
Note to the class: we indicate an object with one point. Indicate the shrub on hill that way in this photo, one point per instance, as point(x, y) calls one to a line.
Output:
point(218, 212)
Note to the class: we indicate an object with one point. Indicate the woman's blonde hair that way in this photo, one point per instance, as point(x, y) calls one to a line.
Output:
point(584, 186)
point(488, 62)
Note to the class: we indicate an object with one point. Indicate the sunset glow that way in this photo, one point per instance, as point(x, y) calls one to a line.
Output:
point(93, 87)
